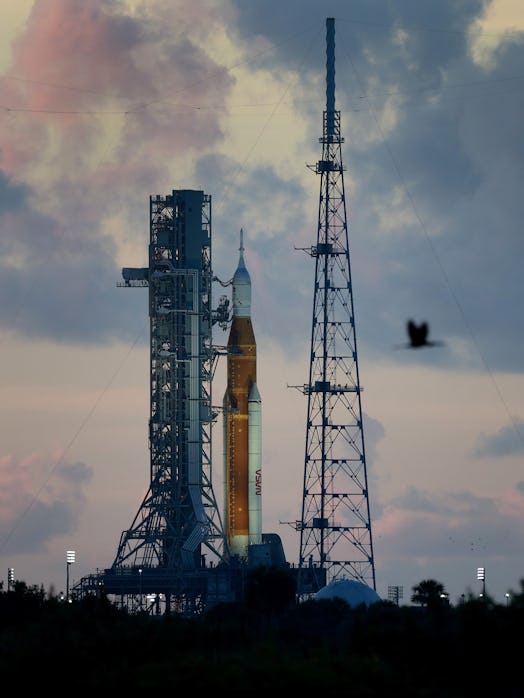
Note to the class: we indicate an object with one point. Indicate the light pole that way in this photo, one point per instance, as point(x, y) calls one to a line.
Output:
point(481, 575)
point(70, 559)
point(507, 595)
point(10, 579)
point(395, 593)
point(140, 585)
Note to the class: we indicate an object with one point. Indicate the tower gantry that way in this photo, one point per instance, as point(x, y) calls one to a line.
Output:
point(335, 527)
point(162, 556)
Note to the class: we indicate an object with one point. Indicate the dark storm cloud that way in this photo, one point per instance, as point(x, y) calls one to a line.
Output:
point(507, 441)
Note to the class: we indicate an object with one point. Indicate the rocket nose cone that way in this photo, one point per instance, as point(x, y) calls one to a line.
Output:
point(254, 395)
point(241, 276)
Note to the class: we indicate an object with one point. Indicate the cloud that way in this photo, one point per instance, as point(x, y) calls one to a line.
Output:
point(79, 65)
point(96, 98)
point(413, 499)
point(426, 525)
point(130, 98)
point(61, 281)
point(507, 441)
point(13, 196)
point(29, 522)
point(501, 22)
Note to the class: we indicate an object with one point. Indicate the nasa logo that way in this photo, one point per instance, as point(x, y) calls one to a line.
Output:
point(258, 482)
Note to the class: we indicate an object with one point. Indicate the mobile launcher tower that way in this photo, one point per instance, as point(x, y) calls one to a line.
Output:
point(176, 555)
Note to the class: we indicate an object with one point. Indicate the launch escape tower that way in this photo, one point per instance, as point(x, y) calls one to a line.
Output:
point(335, 528)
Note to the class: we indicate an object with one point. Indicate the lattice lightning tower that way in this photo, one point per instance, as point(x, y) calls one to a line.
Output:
point(335, 528)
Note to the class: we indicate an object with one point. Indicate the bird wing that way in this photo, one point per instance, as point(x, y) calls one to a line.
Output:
point(412, 331)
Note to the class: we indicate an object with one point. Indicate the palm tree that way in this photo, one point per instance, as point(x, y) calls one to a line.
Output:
point(429, 593)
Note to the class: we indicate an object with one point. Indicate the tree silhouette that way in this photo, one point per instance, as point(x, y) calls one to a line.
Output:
point(429, 593)
point(317, 646)
point(270, 589)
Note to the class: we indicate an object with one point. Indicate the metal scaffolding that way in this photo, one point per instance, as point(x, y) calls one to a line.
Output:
point(162, 558)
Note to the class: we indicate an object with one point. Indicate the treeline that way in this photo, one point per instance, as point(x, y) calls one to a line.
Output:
point(268, 643)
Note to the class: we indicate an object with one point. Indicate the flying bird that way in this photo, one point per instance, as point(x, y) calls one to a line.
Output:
point(418, 336)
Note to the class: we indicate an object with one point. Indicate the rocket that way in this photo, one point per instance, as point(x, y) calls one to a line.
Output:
point(242, 409)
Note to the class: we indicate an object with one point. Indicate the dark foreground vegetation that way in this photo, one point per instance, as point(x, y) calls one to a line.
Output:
point(267, 644)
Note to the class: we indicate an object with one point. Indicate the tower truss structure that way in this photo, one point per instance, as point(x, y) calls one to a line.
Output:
point(162, 556)
point(335, 527)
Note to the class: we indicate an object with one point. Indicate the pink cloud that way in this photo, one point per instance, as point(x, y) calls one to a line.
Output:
point(40, 498)
point(458, 524)
point(15, 484)
point(80, 62)
point(512, 503)
point(80, 48)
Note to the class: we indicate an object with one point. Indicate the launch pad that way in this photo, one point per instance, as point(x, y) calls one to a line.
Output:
point(177, 555)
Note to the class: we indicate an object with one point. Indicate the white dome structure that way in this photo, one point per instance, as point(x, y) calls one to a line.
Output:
point(349, 590)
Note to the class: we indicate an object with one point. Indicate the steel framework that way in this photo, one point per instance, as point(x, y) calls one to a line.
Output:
point(335, 527)
point(161, 558)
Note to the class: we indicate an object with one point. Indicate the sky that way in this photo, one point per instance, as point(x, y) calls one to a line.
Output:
point(104, 103)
